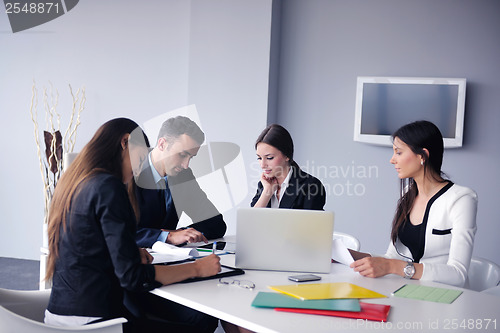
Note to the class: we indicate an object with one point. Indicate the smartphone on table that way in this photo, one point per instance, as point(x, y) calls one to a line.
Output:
point(304, 278)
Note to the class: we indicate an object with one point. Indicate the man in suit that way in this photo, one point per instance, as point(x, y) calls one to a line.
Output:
point(166, 187)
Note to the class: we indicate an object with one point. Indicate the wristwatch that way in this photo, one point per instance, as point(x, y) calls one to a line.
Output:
point(409, 270)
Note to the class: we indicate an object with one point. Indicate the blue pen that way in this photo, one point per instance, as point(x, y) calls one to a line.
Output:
point(214, 247)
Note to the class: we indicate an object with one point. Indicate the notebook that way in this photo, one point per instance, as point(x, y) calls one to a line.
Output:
point(294, 240)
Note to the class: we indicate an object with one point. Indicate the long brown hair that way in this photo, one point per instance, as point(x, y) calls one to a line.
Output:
point(103, 153)
point(418, 135)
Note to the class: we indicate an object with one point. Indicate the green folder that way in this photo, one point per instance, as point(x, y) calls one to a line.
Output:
point(425, 293)
point(279, 300)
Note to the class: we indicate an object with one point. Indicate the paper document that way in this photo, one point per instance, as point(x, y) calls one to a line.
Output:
point(425, 293)
point(197, 244)
point(163, 252)
point(340, 253)
point(229, 247)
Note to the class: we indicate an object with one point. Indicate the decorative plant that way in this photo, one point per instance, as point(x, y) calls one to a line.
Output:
point(51, 163)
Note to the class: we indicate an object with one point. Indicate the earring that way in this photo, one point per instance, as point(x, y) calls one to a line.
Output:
point(421, 162)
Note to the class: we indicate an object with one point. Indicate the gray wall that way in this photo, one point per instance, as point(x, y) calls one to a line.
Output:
point(326, 44)
point(136, 60)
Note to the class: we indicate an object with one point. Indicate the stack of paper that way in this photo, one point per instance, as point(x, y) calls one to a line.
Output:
point(330, 299)
point(340, 253)
point(163, 253)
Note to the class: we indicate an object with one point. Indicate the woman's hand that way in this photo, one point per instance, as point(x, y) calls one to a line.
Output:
point(372, 266)
point(270, 184)
point(146, 257)
point(207, 266)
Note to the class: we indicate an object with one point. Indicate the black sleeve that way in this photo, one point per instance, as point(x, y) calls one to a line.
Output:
point(316, 195)
point(256, 198)
point(189, 198)
point(211, 228)
point(146, 237)
point(117, 220)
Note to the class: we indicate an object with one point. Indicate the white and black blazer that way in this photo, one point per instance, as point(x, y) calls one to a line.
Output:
point(450, 227)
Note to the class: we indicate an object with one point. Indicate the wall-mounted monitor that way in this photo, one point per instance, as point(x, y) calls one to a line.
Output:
point(383, 104)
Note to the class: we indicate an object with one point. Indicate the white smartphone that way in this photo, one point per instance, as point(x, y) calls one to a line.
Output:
point(304, 278)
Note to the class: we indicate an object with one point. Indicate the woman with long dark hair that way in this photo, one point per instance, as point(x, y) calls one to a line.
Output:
point(282, 183)
point(434, 225)
point(93, 259)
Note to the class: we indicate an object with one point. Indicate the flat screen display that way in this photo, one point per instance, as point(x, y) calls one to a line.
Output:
point(385, 104)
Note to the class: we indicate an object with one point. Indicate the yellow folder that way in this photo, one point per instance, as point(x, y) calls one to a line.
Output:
point(326, 291)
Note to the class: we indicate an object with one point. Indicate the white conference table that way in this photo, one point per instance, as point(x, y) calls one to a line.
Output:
point(472, 311)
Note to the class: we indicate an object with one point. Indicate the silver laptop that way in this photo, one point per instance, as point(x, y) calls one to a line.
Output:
point(284, 239)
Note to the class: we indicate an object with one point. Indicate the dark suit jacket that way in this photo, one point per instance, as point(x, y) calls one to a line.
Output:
point(303, 192)
point(98, 258)
point(188, 197)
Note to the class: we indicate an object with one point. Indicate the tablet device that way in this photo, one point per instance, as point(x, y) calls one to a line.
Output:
point(225, 272)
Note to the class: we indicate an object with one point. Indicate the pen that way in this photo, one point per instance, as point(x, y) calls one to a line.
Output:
point(214, 247)
point(221, 253)
point(395, 291)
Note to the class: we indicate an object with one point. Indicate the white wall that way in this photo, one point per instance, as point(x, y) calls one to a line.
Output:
point(136, 60)
point(326, 44)
point(142, 62)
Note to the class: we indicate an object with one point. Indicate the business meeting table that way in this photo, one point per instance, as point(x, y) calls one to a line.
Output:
point(470, 312)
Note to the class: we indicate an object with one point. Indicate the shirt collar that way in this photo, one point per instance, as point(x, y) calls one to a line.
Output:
point(156, 175)
point(275, 203)
point(287, 179)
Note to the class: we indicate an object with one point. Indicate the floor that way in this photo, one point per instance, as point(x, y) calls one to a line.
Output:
point(19, 274)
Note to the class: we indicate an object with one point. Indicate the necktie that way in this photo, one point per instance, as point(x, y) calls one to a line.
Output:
point(167, 193)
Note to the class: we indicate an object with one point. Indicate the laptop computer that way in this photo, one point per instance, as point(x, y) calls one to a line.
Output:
point(293, 240)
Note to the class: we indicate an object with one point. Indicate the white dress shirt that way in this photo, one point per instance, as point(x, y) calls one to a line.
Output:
point(275, 202)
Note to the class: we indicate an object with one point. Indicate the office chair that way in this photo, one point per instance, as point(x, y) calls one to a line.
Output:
point(23, 311)
point(483, 274)
point(492, 291)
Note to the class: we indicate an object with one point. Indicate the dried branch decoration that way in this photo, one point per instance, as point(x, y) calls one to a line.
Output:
point(51, 163)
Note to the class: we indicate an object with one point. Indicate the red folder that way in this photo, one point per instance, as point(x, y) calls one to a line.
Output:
point(369, 311)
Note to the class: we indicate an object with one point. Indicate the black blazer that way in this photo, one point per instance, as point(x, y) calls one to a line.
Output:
point(187, 197)
point(98, 257)
point(303, 192)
